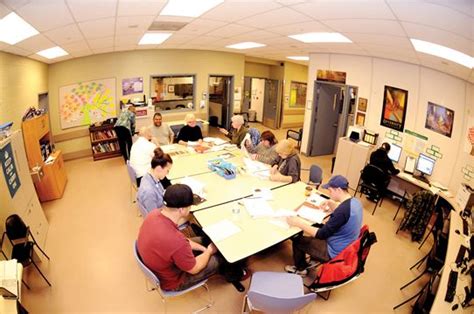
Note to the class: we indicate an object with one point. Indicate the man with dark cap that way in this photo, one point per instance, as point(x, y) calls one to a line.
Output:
point(341, 229)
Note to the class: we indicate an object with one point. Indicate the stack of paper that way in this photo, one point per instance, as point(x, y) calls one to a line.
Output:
point(8, 276)
point(195, 185)
point(312, 214)
point(221, 230)
point(257, 207)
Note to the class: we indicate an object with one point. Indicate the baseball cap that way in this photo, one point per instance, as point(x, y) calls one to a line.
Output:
point(337, 181)
point(180, 196)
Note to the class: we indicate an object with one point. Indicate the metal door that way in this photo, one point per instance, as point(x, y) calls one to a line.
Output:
point(270, 103)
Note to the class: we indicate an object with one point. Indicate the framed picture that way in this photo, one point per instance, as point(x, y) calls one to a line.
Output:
point(439, 119)
point(360, 119)
point(170, 88)
point(331, 76)
point(297, 97)
point(394, 108)
point(362, 106)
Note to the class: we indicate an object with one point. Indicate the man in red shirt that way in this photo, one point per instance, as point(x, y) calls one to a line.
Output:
point(167, 252)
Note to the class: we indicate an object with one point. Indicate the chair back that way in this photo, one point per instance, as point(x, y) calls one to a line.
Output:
point(142, 209)
point(315, 175)
point(274, 304)
point(254, 136)
point(374, 176)
point(132, 174)
point(148, 273)
point(15, 228)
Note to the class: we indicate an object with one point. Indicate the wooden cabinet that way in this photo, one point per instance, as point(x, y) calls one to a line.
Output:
point(38, 147)
point(104, 142)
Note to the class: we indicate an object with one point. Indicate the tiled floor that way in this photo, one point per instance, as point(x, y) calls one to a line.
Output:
point(92, 268)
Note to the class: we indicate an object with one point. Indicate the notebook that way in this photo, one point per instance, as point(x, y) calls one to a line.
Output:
point(8, 278)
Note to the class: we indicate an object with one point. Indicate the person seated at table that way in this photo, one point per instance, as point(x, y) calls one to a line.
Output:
point(141, 153)
point(379, 158)
point(289, 166)
point(154, 182)
point(238, 131)
point(265, 150)
point(161, 132)
point(341, 229)
point(191, 132)
point(179, 262)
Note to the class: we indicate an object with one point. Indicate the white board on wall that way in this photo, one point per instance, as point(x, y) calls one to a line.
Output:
point(88, 102)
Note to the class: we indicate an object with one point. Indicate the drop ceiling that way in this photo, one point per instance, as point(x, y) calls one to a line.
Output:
point(379, 28)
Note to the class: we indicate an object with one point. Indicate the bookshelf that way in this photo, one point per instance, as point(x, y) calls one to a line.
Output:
point(39, 152)
point(104, 142)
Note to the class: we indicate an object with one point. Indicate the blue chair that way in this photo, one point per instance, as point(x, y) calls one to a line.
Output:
point(164, 294)
point(315, 175)
point(276, 292)
point(254, 136)
point(133, 183)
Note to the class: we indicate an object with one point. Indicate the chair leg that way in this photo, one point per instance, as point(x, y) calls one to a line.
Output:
point(325, 295)
point(41, 273)
point(375, 208)
point(398, 209)
point(39, 248)
point(418, 264)
point(412, 281)
point(209, 304)
point(244, 304)
point(26, 285)
point(406, 301)
point(427, 236)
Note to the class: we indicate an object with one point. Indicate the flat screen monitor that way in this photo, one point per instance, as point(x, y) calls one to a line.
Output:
point(425, 164)
point(394, 153)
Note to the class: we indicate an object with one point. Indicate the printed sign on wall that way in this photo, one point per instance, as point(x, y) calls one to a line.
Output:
point(9, 169)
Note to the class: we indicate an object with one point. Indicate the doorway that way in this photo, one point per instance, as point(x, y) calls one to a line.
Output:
point(270, 104)
point(220, 100)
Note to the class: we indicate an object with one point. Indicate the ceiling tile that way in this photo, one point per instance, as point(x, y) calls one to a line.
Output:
point(230, 30)
point(98, 28)
point(77, 46)
point(231, 11)
point(36, 43)
point(366, 26)
point(133, 24)
point(83, 53)
point(15, 4)
point(127, 40)
point(327, 10)
point(65, 34)
point(274, 18)
point(125, 48)
point(462, 6)
point(259, 35)
point(181, 19)
point(201, 26)
point(46, 14)
point(4, 11)
point(300, 28)
point(17, 50)
point(143, 7)
point(376, 39)
point(99, 43)
point(178, 38)
point(103, 50)
point(85, 10)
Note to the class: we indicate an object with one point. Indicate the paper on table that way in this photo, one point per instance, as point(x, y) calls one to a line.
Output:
point(312, 214)
point(263, 193)
point(279, 223)
point(8, 275)
point(196, 186)
point(316, 199)
point(221, 230)
point(284, 213)
point(257, 207)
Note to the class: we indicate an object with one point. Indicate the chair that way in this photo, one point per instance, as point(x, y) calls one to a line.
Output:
point(133, 182)
point(254, 136)
point(315, 175)
point(164, 294)
point(295, 135)
point(276, 292)
point(373, 182)
point(346, 267)
point(19, 235)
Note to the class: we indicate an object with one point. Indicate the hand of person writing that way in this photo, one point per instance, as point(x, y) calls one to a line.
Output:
point(293, 221)
point(274, 169)
point(328, 206)
point(211, 248)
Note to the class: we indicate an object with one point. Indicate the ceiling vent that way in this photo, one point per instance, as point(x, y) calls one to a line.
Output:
point(166, 26)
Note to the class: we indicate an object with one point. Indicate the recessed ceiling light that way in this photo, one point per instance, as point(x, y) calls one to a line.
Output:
point(443, 52)
point(189, 8)
point(52, 53)
point(14, 29)
point(299, 58)
point(246, 45)
point(321, 38)
point(154, 38)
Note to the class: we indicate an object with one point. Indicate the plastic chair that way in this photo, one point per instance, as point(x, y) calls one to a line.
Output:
point(315, 175)
point(373, 182)
point(133, 183)
point(295, 135)
point(254, 136)
point(19, 235)
point(276, 292)
point(164, 294)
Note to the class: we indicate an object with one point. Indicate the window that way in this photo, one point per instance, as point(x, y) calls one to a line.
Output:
point(297, 95)
point(172, 92)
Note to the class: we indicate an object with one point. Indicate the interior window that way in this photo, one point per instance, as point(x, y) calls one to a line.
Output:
point(172, 92)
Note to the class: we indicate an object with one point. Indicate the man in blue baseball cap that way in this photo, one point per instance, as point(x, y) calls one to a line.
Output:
point(341, 229)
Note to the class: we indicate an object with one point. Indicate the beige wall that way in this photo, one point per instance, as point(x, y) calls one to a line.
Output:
point(141, 63)
point(257, 70)
point(293, 117)
point(21, 80)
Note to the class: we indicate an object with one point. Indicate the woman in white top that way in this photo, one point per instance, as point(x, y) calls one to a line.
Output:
point(142, 153)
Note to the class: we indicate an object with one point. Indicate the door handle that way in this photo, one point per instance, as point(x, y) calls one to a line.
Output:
point(335, 125)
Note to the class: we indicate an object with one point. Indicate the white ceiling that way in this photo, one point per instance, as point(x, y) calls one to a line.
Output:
point(379, 28)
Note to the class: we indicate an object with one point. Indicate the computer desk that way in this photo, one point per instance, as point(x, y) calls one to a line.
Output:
point(257, 234)
point(405, 182)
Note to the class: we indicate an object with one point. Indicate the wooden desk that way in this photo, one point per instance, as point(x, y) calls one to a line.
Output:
point(9, 306)
point(406, 182)
point(257, 233)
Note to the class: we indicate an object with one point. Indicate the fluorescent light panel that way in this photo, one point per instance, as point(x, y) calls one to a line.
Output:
point(443, 52)
point(246, 45)
point(52, 53)
point(154, 38)
point(321, 38)
point(299, 58)
point(189, 8)
point(14, 29)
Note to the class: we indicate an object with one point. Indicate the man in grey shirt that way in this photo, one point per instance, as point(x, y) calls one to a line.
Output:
point(161, 132)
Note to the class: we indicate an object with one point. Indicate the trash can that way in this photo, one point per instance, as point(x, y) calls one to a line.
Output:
point(213, 120)
point(252, 115)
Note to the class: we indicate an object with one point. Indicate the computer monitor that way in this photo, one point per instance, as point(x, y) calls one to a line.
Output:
point(425, 164)
point(395, 152)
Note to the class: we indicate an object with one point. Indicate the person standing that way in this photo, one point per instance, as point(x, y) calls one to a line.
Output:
point(125, 128)
point(161, 132)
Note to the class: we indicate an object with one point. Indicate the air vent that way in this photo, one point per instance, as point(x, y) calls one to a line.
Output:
point(166, 26)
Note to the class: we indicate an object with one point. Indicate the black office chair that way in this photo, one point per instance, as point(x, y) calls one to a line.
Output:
point(295, 135)
point(373, 183)
point(23, 243)
point(315, 175)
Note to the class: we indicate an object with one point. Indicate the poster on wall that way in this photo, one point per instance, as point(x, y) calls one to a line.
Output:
point(85, 103)
point(132, 85)
point(439, 119)
point(9, 169)
point(331, 76)
point(394, 108)
point(362, 106)
point(297, 95)
point(469, 142)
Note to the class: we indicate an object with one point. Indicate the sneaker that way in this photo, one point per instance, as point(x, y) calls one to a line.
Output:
point(292, 270)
